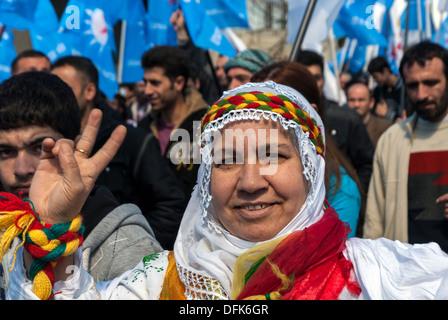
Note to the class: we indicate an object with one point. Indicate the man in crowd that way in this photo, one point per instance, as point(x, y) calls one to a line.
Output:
point(244, 65)
point(408, 195)
point(30, 60)
point(388, 92)
point(360, 99)
point(175, 110)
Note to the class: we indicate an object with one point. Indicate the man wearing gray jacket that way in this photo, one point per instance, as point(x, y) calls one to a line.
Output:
point(38, 105)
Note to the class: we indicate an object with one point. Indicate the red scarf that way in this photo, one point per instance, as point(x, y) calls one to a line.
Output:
point(312, 260)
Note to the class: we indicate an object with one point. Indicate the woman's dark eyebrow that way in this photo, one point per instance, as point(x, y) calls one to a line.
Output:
point(283, 146)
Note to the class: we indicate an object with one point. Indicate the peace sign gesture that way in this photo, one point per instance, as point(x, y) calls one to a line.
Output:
point(66, 174)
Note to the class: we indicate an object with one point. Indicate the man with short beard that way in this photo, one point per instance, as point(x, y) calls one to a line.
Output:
point(408, 193)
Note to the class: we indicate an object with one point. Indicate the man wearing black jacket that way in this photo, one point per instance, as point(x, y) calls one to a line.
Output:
point(176, 113)
point(137, 174)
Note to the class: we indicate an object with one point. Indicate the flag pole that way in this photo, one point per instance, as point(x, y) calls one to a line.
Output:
point(403, 100)
point(2, 29)
point(121, 52)
point(335, 64)
point(406, 31)
point(420, 19)
point(302, 30)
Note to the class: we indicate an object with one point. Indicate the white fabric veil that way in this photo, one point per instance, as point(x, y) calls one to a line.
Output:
point(204, 250)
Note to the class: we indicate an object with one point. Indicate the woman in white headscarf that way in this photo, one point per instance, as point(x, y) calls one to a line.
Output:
point(258, 225)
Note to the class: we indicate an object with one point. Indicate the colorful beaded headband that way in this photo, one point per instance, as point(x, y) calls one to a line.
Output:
point(279, 104)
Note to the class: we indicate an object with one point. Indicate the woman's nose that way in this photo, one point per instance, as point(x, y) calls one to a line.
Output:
point(251, 180)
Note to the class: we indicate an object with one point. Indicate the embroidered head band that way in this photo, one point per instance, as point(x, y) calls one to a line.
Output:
point(265, 101)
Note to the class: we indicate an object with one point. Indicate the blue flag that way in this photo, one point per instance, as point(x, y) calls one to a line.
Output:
point(355, 21)
point(7, 52)
point(160, 30)
point(441, 36)
point(86, 27)
point(37, 15)
point(227, 13)
point(204, 31)
point(414, 16)
point(354, 58)
point(54, 44)
point(135, 40)
point(18, 14)
point(420, 24)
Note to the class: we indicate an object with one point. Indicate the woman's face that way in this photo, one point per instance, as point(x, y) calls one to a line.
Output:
point(263, 189)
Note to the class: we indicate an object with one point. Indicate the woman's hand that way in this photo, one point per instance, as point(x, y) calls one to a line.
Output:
point(66, 174)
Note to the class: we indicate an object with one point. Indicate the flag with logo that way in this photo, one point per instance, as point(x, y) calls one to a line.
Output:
point(356, 20)
point(93, 37)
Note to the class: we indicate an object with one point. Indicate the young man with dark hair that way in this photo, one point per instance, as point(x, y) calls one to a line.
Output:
point(408, 195)
point(175, 109)
point(30, 60)
point(137, 174)
point(38, 105)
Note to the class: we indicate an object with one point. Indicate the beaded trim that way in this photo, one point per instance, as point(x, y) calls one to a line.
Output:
point(198, 287)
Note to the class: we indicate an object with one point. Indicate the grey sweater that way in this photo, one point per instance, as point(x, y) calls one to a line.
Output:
point(118, 243)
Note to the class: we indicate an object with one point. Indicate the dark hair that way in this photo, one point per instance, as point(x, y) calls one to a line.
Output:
point(377, 65)
point(40, 99)
point(173, 60)
point(423, 52)
point(309, 58)
point(81, 64)
point(31, 53)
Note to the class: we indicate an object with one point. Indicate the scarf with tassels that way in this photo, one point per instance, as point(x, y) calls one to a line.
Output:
point(305, 265)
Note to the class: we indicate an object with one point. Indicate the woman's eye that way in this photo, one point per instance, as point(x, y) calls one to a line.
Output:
point(271, 157)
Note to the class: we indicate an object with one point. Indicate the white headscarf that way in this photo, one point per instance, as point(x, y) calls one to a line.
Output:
point(204, 250)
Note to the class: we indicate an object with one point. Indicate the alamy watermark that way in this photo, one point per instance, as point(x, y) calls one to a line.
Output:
point(228, 147)
point(73, 19)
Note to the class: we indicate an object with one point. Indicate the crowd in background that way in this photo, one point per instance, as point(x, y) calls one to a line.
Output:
point(386, 150)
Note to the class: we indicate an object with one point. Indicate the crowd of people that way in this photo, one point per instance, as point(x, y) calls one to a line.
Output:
point(359, 192)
